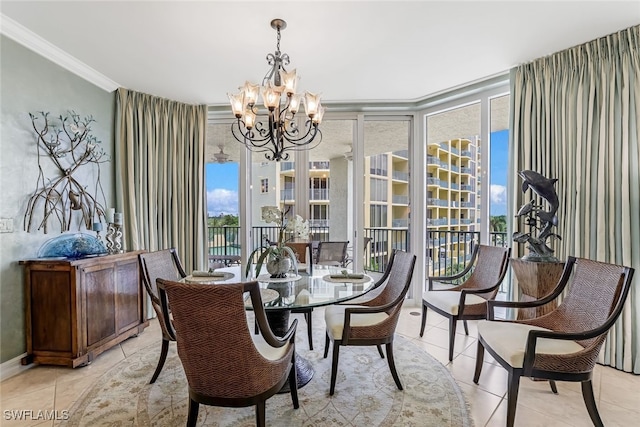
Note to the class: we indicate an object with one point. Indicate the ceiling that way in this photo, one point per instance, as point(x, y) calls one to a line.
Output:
point(350, 51)
point(197, 51)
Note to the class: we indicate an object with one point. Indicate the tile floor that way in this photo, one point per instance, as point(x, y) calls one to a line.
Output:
point(617, 393)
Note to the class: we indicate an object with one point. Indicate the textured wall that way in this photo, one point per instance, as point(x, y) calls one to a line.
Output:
point(30, 83)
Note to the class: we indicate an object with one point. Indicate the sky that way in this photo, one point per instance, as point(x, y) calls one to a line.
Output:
point(222, 181)
point(222, 188)
point(499, 150)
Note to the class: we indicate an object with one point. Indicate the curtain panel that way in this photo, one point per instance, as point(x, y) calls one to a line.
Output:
point(159, 157)
point(575, 118)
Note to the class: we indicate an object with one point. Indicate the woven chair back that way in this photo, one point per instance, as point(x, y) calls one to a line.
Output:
point(332, 253)
point(489, 265)
point(591, 295)
point(214, 342)
point(394, 292)
point(163, 264)
point(400, 271)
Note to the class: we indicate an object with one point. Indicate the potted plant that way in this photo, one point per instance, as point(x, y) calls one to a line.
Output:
point(279, 257)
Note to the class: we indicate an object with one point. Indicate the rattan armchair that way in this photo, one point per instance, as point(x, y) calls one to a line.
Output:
point(468, 301)
point(564, 344)
point(332, 253)
point(224, 363)
point(163, 264)
point(372, 323)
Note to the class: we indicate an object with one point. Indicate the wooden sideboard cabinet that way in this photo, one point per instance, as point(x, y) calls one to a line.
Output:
point(76, 309)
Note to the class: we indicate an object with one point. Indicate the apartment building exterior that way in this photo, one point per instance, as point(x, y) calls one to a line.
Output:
point(453, 199)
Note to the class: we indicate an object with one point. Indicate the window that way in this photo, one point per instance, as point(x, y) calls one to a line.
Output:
point(264, 185)
point(379, 191)
point(319, 188)
point(378, 216)
point(378, 165)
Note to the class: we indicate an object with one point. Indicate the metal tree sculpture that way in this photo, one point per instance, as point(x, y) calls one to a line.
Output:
point(67, 141)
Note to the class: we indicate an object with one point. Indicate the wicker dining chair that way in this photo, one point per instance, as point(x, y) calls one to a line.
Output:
point(375, 324)
point(225, 364)
point(468, 301)
point(372, 296)
point(163, 264)
point(332, 253)
point(563, 344)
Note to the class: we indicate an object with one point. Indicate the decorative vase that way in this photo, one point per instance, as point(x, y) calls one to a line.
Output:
point(278, 266)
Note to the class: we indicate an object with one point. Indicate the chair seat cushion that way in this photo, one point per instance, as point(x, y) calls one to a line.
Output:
point(509, 341)
point(448, 301)
point(334, 318)
point(268, 352)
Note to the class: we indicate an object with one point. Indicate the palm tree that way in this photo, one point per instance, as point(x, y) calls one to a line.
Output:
point(498, 223)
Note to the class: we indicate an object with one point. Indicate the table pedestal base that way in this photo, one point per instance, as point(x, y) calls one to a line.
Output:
point(279, 323)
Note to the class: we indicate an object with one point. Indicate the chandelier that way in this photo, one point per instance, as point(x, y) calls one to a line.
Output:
point(278, 133)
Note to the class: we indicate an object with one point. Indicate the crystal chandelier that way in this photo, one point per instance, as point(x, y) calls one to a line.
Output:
point(279, 133)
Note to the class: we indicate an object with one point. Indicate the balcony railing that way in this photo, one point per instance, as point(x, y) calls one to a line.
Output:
point(447, 251)
point(287, 166)
point(319, 194)
point(288, 194)
point(319, 165)
point(432, 160)
point(437, 221)
point(400, 176)
point(437, 202)
point(398, 223)
point(400, 199)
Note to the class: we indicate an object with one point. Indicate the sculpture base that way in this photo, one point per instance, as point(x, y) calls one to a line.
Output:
point(536, 280)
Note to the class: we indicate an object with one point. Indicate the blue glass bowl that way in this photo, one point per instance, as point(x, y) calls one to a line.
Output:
point(76, 245)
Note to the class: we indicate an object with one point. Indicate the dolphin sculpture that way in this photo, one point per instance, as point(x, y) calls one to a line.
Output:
point(545, 188)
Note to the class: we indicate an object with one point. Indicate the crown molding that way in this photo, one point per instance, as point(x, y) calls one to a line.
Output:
point(34, 42)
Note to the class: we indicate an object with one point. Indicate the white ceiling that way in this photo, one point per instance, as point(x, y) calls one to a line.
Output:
point(351, 51)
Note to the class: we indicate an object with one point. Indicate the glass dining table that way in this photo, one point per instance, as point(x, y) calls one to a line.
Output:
point(327, 285)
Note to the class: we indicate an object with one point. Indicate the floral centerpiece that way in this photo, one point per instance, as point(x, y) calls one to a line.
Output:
point(279, 257)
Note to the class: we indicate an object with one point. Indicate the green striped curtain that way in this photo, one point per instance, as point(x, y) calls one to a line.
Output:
point(159, 156)
point(575, 117)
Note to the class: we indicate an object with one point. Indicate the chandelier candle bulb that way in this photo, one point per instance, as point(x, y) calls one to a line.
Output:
point(294, 103)
point(249, 119)
point(117, 218)
point(250, 92)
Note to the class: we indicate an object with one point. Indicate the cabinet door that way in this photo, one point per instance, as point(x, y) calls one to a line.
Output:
point(100, 292)
point(128, 302)
point(51, 318)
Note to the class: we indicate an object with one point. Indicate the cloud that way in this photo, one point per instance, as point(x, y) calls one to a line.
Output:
point(222, 201)
point(499, 194)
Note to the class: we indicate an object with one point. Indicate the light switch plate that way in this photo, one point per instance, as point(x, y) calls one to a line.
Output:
point(6, 225)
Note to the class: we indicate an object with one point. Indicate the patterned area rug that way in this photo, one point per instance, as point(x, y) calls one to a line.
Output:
point(365, 395)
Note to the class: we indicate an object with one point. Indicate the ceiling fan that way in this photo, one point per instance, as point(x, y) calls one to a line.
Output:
point(221, 157)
